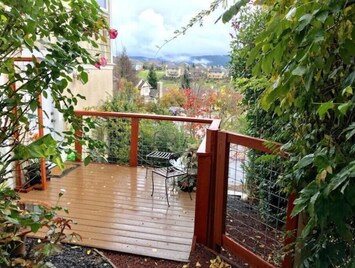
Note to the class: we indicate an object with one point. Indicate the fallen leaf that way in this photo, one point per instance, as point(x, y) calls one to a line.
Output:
point(198, 264)
point(88, 252)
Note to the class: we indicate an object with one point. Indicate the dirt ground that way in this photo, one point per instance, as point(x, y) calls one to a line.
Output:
point(80, 257)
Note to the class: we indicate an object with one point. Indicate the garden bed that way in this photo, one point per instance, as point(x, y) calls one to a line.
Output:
point(245, 225)
point(78, 256)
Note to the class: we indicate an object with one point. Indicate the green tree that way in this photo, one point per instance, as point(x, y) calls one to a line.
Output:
point(185, 79)
point(307, 53)
point(152, 77)
point(55, 30)
point(117, 130)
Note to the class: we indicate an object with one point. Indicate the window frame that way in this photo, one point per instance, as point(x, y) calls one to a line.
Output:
point(106, 5)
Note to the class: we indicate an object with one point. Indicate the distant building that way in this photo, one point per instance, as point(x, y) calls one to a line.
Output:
point(137, 65)
point(197, 73)
point(173, 71)
point(147, 93)
point(217, 73)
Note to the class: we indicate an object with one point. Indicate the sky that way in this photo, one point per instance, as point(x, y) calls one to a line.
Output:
point(145, 24)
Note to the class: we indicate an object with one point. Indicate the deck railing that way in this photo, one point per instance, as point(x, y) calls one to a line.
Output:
point(135, 118)
point(205, 155)
point(224, 195)
point(252, 215)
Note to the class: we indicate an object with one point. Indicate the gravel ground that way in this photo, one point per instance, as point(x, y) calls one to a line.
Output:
point(77, 256)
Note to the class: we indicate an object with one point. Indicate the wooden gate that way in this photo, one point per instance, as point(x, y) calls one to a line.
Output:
point(251, 215)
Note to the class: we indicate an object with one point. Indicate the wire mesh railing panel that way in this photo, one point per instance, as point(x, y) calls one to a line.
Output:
point(166, 136)
point(115, 133)
point(256, 208)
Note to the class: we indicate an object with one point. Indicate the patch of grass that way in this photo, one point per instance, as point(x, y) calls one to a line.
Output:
point(144, 73)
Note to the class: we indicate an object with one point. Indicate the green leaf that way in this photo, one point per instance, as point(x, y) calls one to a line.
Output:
point(42, 148)
point(307, 198)
point(345, 174)
point(35, 227)
point(308, 228)
point(308, 80)
point(350, 131)
point(321, 162)
point(322, 16)
point(298, 208)
point(343, 108)
point(87, 160)
point(347, 91)
point(304, 21)
point(299, 71)
point(33, 105)
point(266, 64)
point(84, 77)
point(350, 80)
point(12, 220)
point(291, 14)
point(324, 107)
point(305, 161)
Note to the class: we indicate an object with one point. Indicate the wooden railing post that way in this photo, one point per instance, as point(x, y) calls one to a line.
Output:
point(221, 189)
point(133, 154)
point(291, 228)
point(40, 134)
point(202, 198)
point(205, 194)
point(78, 135)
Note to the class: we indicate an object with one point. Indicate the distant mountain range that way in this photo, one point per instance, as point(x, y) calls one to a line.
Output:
point(212, 60)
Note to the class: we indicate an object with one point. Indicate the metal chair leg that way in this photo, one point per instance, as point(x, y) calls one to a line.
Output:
point(152, 184)
point(166, 191)
point(190, 195)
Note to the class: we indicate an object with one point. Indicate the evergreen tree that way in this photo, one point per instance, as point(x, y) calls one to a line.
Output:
point(185, 79)
point(152, 77)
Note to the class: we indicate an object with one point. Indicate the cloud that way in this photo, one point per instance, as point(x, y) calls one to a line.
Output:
point(144, 25)
point(201, 61)
point(176, 58)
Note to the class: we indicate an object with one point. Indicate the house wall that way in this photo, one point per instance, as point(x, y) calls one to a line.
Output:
point(215, 75)
point(175, 73)
point(145, 90)
point(100, 84)
point(97, 89)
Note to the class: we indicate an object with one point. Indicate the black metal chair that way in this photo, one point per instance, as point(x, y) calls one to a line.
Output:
point(171, 171)
point(161, 159)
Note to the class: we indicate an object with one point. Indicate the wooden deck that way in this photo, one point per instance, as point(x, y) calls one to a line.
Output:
point(114, 210)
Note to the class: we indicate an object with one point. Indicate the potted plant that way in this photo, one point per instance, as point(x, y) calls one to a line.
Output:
point(189, 161)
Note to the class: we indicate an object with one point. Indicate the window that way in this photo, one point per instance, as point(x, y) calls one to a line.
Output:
point(102, 3)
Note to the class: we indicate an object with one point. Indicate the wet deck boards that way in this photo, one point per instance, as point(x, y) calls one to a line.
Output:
point(113, 210)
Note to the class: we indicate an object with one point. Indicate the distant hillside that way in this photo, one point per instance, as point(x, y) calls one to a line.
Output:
point(212, 60)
